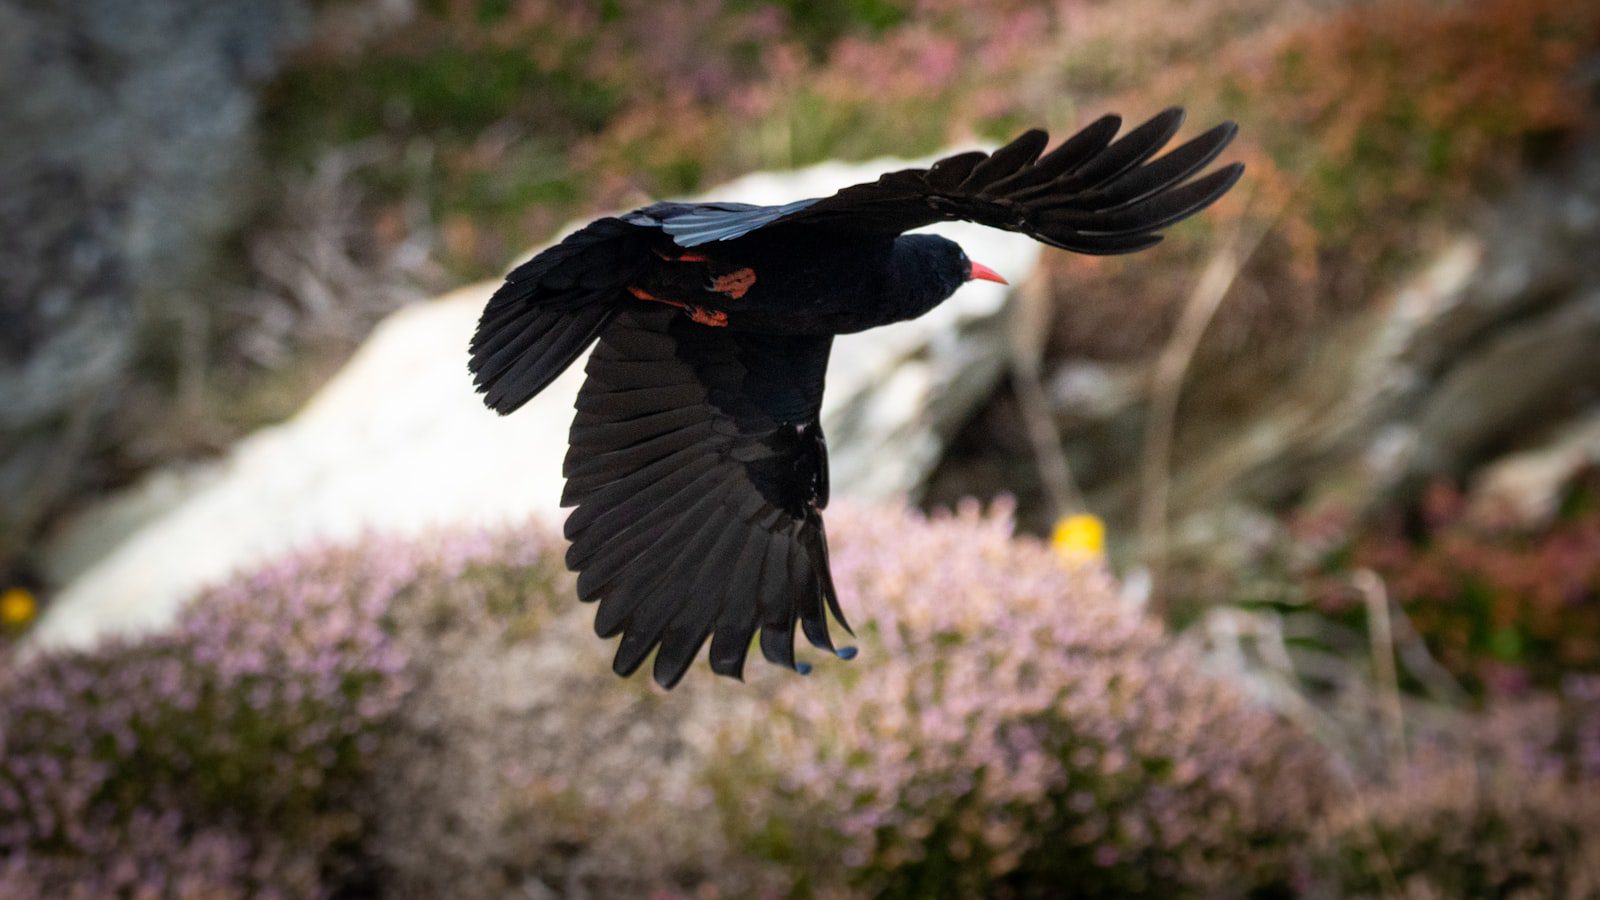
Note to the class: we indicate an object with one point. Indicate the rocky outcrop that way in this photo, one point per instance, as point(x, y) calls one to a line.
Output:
point(125, 130)
point(1489, 347)
point(1526, 486)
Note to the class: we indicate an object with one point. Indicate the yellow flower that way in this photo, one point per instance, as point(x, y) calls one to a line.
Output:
point(17, 607)
point(1079, 538)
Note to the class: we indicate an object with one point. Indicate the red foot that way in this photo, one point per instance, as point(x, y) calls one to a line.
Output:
point(716, 318)
point(735, 284)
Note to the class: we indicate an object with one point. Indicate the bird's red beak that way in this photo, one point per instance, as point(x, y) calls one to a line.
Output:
point(981, 272)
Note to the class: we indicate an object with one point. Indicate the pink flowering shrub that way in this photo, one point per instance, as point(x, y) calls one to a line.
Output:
point(1453, 831)
point(1012, 727)
point(222, 758)
point(435, 718)
point(520, 765)
point(1503, 804)
point(411, 717)
point(163, 856)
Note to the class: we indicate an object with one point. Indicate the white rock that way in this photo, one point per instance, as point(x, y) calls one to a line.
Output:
point(1527, 485)
point(399, 442)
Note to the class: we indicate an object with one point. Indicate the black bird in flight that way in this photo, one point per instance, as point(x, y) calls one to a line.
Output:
point(696, 460)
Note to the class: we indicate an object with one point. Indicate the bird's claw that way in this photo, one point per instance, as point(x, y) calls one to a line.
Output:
point(715, 318)
point(735, 284)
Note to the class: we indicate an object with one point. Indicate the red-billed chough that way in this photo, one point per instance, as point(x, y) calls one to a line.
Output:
point(696, 460)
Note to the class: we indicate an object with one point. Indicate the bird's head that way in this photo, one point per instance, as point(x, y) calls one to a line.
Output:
point(931, 268)
point(947, 263)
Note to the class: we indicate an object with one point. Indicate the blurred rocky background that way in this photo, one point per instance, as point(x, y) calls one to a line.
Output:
point(130, 161)
point(1335, 443)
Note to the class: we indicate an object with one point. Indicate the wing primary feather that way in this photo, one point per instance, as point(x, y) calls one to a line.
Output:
point(507, 326)
point(1092, 245)
point(815, 588)
point(686, 633)
point(550, 309)
point(1066, 158)
point(692, 497)
point(695, 458)
point(741, 610)
point(777, 606)
point(642, 578)
point(546, 357)
point(1006, 161)
point(816, 543)
point(948, 173)
point(653, 607)
point(629, 500)
point(812, 618)
point(1169, 170)
point(589, 541)
point(777, 645)
point(504, 350)
point(1129, 150)
point(1012, 188)
point(1154, 213)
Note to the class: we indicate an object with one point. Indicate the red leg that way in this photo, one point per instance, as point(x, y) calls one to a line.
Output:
point(682, 257)
point(716, 318)
point(643, 294)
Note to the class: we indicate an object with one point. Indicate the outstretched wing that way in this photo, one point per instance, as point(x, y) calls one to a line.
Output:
point(1091, 194)
point(551, 308)
point(698, 470)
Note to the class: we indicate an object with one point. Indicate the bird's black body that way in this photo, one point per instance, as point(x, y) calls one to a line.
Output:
point(809, 282)
point(697, 464)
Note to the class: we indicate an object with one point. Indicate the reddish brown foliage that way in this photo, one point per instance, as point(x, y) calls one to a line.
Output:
point(1363, 130)
point(1501, 605)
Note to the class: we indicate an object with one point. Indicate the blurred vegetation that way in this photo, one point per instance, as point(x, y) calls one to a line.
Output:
point(1039, 732)
point(1035, 733)
point(1369, 130)
point(1365, 132)
point(1413, 108)
point(1503, 606)
point(1451, 830)
point(511, 116)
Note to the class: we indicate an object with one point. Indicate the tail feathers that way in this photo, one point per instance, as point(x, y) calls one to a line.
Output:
point(519, 349)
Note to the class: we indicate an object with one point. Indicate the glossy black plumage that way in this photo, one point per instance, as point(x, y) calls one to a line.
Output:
point(696, 459)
